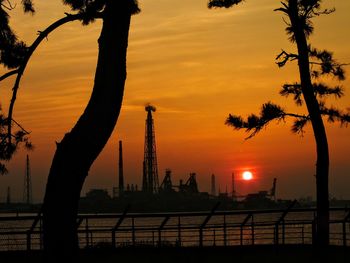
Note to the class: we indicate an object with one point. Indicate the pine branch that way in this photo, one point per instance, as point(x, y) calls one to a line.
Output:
point(284, 57)
point(333, 114)
point(326, 63)
point(294, 89)
point(223, 3)
point(268, 113)
point(321, 90)
point(299, 124)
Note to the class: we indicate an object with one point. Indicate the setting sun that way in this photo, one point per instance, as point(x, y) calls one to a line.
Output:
point(247, 176)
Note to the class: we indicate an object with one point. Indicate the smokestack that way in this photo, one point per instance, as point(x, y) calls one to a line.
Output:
point(233, 187)
point(213, 187)
point(121, 171)
point(273, 189)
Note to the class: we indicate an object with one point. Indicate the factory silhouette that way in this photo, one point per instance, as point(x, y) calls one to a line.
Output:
point(154, 196)
point(167, 196)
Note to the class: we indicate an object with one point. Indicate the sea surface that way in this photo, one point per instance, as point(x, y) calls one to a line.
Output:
point(219, 230)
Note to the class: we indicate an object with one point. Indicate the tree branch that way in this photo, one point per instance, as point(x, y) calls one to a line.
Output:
point(223, 3)
point(43, 35)
point(320, 63)
point(284, 57)
point(269, 112)
point(306, 117)
point(9, 7)
point(21, 127)
point(9, 74)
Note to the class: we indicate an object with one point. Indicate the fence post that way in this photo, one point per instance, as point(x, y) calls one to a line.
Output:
point(344, 234)
point(31, 229)
point(347, 217)
point(41, 234)
point(225, 233)
point(302, 235)
point(133, 231)
point(313, 231)
point(29, 240)
point(166, 219)
point(113, 238)
point(87, 232)
point(252, 230)
point(276, 234)
point(206, 220)
point(281, 220)
point(250, 215)
point(179, 231)
point(117, 225)
point(283, 232)
point(214, 240)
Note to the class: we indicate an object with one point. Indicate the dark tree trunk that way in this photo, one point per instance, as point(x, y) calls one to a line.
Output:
point(81, 146)
point(322, 164)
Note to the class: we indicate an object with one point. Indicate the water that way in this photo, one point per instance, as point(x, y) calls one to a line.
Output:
point(260, 228)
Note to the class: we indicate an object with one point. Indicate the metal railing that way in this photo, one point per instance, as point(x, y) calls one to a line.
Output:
point(214, 228)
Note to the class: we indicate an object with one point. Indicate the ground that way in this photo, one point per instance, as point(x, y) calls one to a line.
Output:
point(246, 254)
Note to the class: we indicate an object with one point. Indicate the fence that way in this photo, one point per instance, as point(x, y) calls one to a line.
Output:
point(214, 228)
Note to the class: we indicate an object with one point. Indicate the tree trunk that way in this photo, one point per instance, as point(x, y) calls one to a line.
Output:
point(81, 146)
point(322, 164)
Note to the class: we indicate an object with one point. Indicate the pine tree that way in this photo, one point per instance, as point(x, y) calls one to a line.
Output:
point(12, 54)
point(81, 146)
point(314, 65)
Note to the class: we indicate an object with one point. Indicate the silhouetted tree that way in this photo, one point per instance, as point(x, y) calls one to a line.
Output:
point(81, 146)
point(12, 53)
point(313, 64)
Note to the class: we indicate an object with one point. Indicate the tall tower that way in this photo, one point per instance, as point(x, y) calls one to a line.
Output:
point(27, 189)
point(150, 182)
point(121, 170)
point(213, 187)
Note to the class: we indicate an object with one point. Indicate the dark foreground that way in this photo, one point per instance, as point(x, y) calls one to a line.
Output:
point(246, 254)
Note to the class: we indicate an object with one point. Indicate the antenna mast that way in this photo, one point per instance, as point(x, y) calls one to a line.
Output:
point(27, 190)
point(121, 170)
point(213, 187)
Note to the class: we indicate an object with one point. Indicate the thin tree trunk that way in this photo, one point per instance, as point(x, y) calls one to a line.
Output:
point(322, 164)
point(81, 146)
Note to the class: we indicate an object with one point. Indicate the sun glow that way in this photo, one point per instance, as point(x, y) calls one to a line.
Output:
point(247, 176)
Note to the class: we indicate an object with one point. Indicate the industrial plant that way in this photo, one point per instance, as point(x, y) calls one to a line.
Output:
point(165, 195)
point(155, 195)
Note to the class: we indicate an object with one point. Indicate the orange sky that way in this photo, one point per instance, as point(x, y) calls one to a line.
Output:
point(196, 66)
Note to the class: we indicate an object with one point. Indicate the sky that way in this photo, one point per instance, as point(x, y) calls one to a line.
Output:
point(195, 66)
